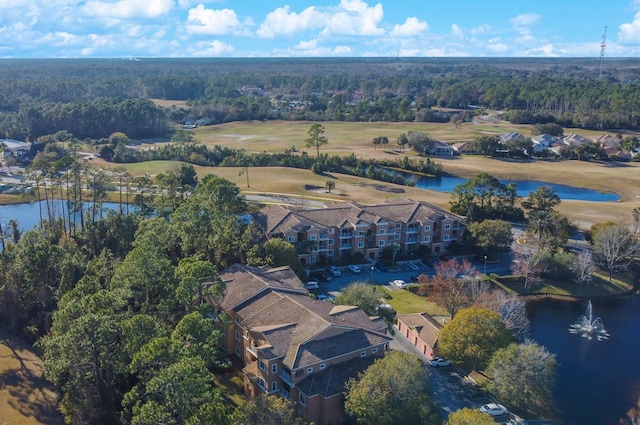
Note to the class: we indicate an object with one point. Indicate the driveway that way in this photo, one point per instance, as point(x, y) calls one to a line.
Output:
point(447, 383)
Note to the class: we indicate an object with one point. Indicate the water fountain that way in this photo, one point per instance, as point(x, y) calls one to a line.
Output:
point(588, 327)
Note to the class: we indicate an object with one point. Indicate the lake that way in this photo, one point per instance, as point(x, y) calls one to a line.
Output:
point(523, 188)
point(598, 381)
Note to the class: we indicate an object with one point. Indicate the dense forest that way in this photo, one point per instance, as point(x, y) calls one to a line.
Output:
point(92, 98)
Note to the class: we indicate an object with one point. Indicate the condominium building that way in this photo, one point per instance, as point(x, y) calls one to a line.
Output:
point(347, 228)
point(292, 345)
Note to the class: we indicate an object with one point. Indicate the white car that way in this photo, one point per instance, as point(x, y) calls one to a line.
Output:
point(494, 409)
point(354, 269)
point(312, 284)
point(334, 271)
point(439, 362)
point(399, 283)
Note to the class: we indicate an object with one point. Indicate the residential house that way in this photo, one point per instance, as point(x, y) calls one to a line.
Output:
point(292, 345)
point(464, 147)
point(543, 142)
point(509, 137)
point(349, 228)
point(441, 149)
point(422, 330)
point(14, 148)
point(612, 146)
point(203, 121)
point(575, 140)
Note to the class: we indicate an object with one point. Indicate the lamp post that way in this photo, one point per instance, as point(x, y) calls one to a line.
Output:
point(485, 265)
point(371, 275)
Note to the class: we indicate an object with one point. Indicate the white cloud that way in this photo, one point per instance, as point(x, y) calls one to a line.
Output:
point(355, 17)
point(213, 22)
point(480, 29)
point(456, 31)
point(313, 48)
point(411, 27)
point(128, 9)
point(544, 51)
point(630, 32)
point(495, 45)
point(522, 23)
point(282, 22)
point(212, 48)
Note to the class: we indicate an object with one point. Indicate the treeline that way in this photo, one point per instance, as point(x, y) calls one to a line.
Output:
point(564, 91)
point(117, 307)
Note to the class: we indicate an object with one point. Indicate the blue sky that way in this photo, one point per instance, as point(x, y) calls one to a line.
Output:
point(317, 28)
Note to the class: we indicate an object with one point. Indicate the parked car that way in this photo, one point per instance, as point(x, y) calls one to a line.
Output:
point(321, 296)
point(439, 362)
point(474, 392)
point(399, 283)
point(333, 271)
point(322, 277)
point(415, 278)
point(354, 269)
point(312, 284)
point(381, 267)
point(494, 409)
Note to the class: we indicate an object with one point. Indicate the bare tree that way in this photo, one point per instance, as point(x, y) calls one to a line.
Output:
point(528, 266)
point(584, 266)
point(615, 246)
point(451, 285)
point(511, 308)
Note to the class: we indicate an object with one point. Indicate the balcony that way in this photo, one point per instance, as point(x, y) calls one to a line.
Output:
point(286, 377)
point(346, 246)
point(252, 349)
point(411, 230)
point(346, 235)
point(285, 394)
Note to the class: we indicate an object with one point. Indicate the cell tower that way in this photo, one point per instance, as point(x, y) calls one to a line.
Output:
point(603, 45)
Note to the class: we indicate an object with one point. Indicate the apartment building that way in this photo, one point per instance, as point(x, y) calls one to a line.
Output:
point(348, 228)
point(291, 345)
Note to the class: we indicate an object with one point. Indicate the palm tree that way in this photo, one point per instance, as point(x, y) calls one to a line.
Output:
point(542, 224)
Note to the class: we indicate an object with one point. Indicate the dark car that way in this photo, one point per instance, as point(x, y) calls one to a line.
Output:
point(415, 278)
point(320, 276)
point(474, 392)
point(381, 267)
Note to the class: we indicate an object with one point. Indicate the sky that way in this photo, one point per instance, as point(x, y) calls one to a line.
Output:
point(318, 28)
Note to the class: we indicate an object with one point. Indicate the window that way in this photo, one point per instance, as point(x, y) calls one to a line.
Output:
point(427, 228)
point(447, 226)
point(274, 368)
point(309, 370)
point(330, 231)
point(291, 239)
point(363, 354)
point(381, 243)
point(360, 244)
point(302, 399)
point(446, 237)
point(322, 366)
point(330, 241)
point(313, 259)
point(262, 366)
point(237, 336)
point(274, 386)
point(383, 231)
point(374, 350)
point(427, 238)
point(361, 233)
point(397, 236)
point(262, 384)
point(331, 253)
point(237, 351)
point(398, 225)
point(312, 237)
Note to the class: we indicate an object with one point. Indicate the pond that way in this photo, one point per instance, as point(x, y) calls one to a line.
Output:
point(598, 381)
point(523, 188)
point(28, 214)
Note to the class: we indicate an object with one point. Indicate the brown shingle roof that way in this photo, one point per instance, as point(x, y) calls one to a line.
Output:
point(424, 325)
point(332, 381)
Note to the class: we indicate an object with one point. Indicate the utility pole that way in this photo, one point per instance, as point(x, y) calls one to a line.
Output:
point(603, 45)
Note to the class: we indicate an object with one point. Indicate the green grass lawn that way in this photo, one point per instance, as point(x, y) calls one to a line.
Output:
point(406, 302)
point(231, 385)
point(600, 286)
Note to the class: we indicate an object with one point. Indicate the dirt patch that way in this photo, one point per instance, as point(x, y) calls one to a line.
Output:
point(26, 397)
